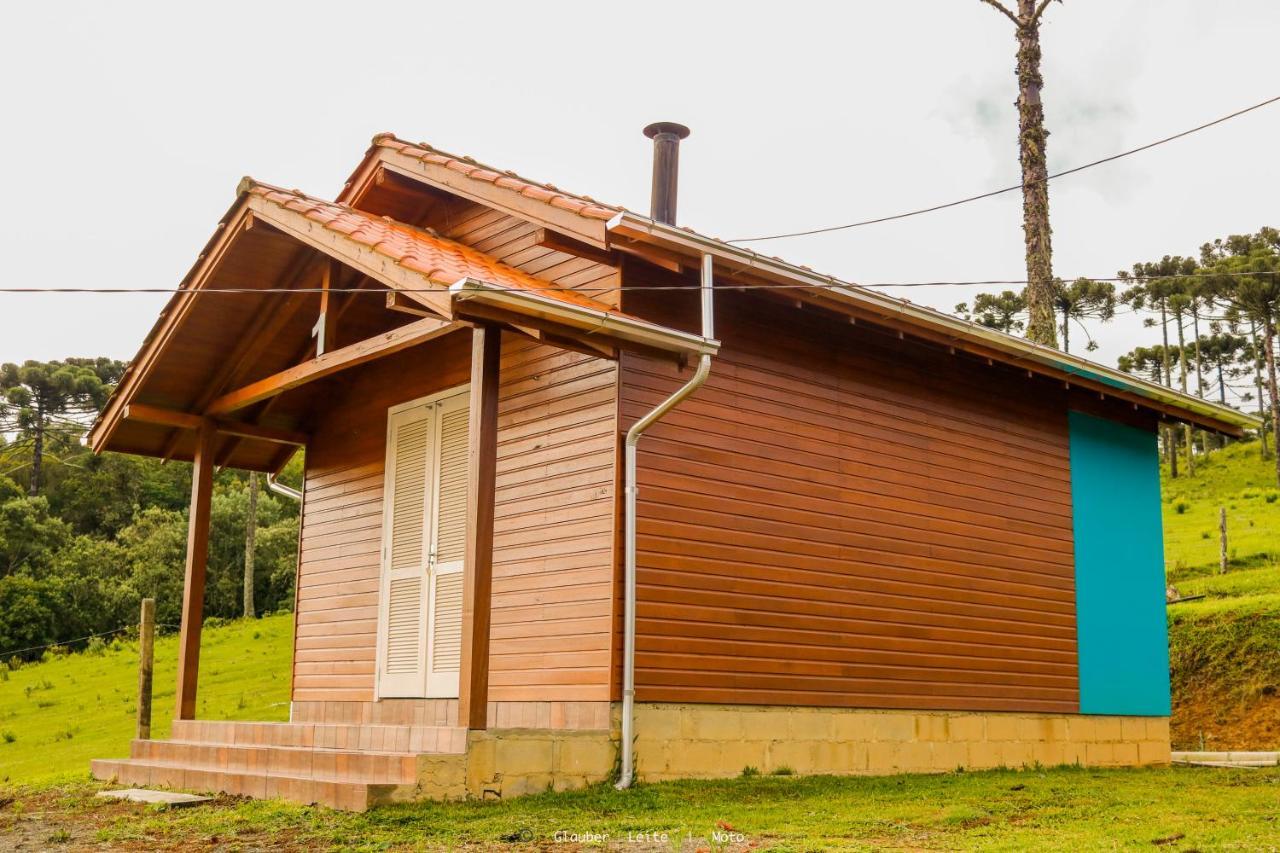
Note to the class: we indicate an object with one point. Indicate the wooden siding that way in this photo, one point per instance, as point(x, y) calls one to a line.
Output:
point(553, 525)
point(841, 518)
point(551, 584)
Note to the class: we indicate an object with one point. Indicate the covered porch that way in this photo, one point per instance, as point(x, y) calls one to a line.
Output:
point(306, 324)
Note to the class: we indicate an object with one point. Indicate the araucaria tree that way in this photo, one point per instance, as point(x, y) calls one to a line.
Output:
point(1081, 299)
point(1247, 277)
point(44, 401)
point(1003, 311)
point(1032, 138)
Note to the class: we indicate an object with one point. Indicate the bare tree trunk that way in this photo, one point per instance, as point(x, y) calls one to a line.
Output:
point(1257, 381)
point(250, 543)
point(1171, 446)
point(37, 450)
point(1269, 329)
point(1195, 328)
point(1182, 380)
point(1032, 148)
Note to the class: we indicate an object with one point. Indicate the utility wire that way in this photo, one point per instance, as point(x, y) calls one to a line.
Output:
point(994, 193)
point(551, 288)
point(122, 628)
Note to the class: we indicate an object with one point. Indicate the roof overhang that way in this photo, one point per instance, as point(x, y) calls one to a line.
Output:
point(421, 269)
point(926, 322)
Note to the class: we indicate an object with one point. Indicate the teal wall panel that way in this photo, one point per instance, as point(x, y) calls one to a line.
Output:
point(1122, 631)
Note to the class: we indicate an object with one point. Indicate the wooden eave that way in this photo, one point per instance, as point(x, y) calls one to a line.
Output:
point(645, 238)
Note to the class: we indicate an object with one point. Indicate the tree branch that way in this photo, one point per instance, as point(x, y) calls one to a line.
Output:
point(1035, 16)
point(996, 4)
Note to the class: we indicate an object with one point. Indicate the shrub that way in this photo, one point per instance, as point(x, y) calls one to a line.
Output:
point(749, 771)
point(1181, 506)
point(97, 647)
point(784, 770)
point(8, 736)
point(1271, 497)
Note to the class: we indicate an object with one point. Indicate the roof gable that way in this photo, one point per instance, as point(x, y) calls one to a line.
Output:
point(577, 215)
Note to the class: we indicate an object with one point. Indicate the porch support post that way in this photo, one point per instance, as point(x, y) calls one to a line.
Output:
point(197, 561)
point(473, 683)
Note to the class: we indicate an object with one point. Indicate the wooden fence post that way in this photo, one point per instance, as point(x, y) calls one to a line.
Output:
point(1222, 540)
point(146, 651)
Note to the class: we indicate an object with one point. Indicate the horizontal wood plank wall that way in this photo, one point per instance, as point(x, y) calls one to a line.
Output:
point(839, 518)
point(553, 526)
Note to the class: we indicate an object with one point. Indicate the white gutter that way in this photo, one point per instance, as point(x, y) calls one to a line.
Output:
point(583, 317)
point(626, 773)
point(630, 225)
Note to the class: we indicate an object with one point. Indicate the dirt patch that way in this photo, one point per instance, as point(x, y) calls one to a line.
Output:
point(1223, 722)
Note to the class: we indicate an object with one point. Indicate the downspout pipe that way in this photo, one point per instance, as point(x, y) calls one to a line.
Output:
point(626, 773)
point(281, 489)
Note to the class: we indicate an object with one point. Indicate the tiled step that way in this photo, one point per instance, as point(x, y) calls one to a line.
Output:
point(334, 793)
point(385, 738)
point(337, 764)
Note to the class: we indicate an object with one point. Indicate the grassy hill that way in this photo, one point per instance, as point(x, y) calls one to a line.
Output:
point(58, 714)
point(1225, 647)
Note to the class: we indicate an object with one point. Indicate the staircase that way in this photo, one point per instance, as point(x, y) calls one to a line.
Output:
point(348, 766)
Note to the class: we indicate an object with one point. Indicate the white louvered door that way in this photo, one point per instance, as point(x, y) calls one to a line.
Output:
point(402, 623)
point(424, 524)
point(448, 548)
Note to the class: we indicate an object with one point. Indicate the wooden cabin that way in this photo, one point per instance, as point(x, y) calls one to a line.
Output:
point(877, 539)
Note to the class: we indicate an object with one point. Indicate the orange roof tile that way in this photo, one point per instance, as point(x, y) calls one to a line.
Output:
point(439, 259)
point(556, 197)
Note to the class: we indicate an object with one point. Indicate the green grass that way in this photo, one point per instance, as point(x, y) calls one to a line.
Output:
point(1235, 477)
point(56, 715)
point(1058, 809)
point(1224, 664)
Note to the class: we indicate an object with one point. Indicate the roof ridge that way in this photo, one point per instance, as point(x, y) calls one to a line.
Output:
point(579, 203)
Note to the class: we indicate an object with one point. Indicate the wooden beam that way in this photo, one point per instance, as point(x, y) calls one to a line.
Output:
point(397, 301)
point(326, 324)
point(659, 257)
point(330, 363)
point(140, 413)
point(477, 578)
point(259, 432)
point(162, 417)
point(564, 243)
point(197, 563)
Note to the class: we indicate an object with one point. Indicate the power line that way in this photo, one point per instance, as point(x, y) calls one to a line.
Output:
point(113, 631)
point(1019, 186)
point(550, 288)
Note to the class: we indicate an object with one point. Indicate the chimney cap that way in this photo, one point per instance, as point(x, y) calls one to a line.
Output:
point(658, 127)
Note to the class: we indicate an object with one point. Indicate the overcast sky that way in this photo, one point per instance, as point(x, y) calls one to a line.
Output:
point(128, 125)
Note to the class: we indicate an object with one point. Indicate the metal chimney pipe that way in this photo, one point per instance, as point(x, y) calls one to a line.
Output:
point(666, 136)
